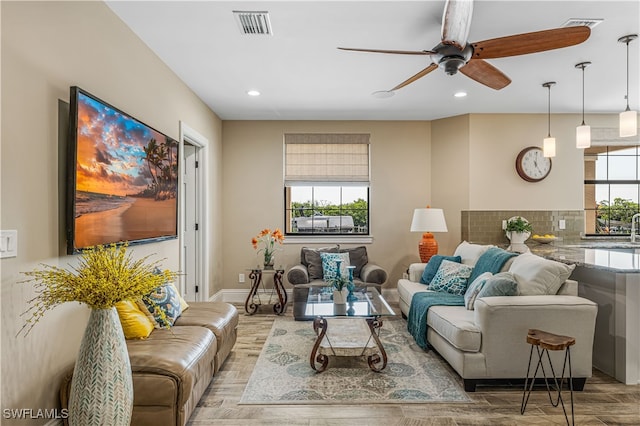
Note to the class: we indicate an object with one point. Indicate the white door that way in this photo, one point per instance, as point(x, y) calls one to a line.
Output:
point(191, 232)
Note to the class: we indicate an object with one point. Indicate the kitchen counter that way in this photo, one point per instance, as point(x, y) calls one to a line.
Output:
point(614, 256)
point(608, 272)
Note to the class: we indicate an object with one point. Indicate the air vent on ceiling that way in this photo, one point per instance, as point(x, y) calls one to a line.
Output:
point(255, 23)
point(585, 22)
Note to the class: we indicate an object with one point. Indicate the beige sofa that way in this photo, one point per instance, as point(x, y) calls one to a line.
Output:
point(172, 368)
point(489, 342)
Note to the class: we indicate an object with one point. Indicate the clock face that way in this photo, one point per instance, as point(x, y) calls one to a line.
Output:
point(532, 165)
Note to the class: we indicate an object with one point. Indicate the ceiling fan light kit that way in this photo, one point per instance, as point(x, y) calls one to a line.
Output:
point(549, 143)
point(629, 117)
point(583, 131)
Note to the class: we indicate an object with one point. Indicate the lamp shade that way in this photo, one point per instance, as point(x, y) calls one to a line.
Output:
point(628, 123)
point(583, 136)
point(549, 147)
point(428, 220)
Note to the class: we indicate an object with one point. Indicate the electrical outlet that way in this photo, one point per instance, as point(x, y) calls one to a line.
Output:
point(240, 278)
point(562, 224)
point(504, 224)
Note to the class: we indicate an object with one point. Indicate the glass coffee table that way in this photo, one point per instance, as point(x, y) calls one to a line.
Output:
point(351, 329)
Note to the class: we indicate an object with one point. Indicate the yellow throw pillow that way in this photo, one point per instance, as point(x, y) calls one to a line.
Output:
point(183, 303)
point(135, 323)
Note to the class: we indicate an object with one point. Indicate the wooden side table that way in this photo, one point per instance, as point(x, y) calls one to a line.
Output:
point(254, 299)
point(544, 342)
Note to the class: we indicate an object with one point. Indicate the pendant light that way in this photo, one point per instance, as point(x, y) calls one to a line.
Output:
point(628, 118)
point(549, 143)
point(583, 131)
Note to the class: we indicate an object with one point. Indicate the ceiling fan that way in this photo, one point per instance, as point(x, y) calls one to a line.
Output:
point(455, 54)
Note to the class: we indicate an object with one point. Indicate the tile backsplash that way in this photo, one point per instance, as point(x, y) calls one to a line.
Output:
point(484, 226)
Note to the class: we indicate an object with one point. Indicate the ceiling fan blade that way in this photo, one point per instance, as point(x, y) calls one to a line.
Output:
point(456, 22)
point(397, 52)
point(522, 44)
point(421, 74)
point(485, 73)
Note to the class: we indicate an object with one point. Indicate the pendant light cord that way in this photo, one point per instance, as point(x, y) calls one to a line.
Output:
point(549, 113)
point(583, 67)
point(627, 95)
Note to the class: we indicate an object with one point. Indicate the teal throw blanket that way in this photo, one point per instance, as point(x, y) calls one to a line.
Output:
point(492, 261)
point(420, 304)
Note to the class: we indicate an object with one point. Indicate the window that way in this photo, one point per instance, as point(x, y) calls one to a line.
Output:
point(611, 189)
point(326, 184)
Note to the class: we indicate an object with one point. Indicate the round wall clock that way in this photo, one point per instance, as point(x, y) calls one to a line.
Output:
point(532, 165)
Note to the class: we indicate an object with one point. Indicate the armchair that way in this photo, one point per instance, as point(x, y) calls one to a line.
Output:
point(308, 273)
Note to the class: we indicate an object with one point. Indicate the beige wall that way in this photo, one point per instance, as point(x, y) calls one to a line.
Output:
point(253, 189)
point(47, 47)
point(473, 165)
point(450, 174)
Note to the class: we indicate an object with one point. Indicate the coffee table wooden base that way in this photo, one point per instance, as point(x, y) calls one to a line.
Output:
point(347, 337)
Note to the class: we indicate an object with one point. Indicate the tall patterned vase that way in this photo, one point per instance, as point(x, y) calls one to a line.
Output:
point(102, 386)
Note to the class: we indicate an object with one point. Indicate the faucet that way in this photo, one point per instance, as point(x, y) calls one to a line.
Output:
point(634, 219)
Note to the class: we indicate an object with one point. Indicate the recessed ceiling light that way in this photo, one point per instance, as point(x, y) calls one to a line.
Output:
point(460, 94)
point(253, 93)
point(383, 94)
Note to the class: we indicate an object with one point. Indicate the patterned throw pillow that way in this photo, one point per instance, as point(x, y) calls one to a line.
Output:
point(474, 288)
point(161, 306)
point(329, 265)
point(433, 265)
point(451, 277)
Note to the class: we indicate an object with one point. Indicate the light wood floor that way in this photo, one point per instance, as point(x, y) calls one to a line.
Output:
point(604, 401)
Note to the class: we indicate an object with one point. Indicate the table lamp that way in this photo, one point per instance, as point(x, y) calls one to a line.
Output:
point(428, 220)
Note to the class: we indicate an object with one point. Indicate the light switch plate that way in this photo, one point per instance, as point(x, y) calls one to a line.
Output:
point(8, 243)
point(562, 224)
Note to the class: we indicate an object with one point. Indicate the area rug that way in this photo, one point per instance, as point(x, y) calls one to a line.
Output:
point(282, 374)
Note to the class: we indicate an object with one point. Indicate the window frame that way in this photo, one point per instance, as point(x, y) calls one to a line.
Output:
point(332, 173)
point(610, 182)
point(288, 215)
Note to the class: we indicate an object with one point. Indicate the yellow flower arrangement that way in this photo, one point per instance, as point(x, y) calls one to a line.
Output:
point(104, 276)
point(268, 239)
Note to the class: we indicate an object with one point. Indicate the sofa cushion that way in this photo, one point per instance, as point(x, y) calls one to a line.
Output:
point(135, 323)
point(456, 325)
point(451, 277)
point(474, 288)
point(433, 265)
point(470, 253)
point(219, 317)
point(502, 284)
point(310, 258)
point(330, 265)
point(162, 305)
point(357, 257)
point(536, 275)
point(185, 354)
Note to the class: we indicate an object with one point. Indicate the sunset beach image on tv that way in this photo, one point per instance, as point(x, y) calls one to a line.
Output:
point(126, 177)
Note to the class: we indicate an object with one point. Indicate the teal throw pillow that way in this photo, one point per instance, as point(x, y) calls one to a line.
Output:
point(474, 288)
point(451, 278)
point(502, 284)
point(162, 305)
point(433, 265)
point(330, 266)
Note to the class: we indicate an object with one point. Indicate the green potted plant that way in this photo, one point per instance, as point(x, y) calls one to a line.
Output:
point(518, 229)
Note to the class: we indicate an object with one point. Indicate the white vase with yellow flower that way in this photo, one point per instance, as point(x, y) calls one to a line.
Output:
point(102, 387)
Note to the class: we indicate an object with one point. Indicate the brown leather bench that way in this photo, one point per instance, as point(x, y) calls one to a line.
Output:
point(172, 368)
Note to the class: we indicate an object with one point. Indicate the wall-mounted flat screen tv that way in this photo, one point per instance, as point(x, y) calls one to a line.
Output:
point(122, 177)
